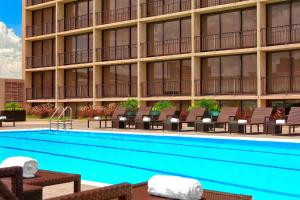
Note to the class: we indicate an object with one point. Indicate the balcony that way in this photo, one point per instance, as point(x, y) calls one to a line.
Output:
point(210, 3)
point(40, 93)
point(281, 35)
point(73, 23)
point(73, 92)
point(117, 53)
point(35, 2)
point(116, 90)
point(76, 57)
point(160, 8)
point(225, 41)
point(41, 29)
point(226, 86)
point(40, 61)
point(117, 15)
point(280, 84)
point(167, 47)
point(166, 88)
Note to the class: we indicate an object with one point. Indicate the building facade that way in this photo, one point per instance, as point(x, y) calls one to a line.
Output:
point(11, 90)
point(91, 52)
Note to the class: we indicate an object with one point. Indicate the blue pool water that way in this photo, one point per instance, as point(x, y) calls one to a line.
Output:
point(265, 170)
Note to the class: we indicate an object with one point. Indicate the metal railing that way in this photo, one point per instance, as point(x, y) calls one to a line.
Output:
point(166, 88)
point(82, 21)
point(76, 57)
point(61, 119)
point(69, 92)
point(280, 84)
point(161, 7)
point(167, 47)
point(226, 86)
point(116, 15)
point(209, 3)
point(116, 90)
point(35, 2)
point(40, 61)
point(117, 52)
point(40, 93)
point(40, 29)
point(233, 40)
point(287, 34)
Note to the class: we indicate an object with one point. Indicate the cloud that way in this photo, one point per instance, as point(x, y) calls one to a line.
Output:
point(10, 53)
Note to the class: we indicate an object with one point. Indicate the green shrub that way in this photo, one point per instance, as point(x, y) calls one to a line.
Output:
point(161, 105)
point(13, 106)
point(131, 105)
point(210, 104)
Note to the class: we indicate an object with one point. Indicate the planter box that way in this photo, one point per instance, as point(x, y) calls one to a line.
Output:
point(17, 115)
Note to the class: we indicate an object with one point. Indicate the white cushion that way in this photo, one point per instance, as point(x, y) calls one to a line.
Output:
point(122, 118)
point(174, 120)
point(242, 121)
point(146, 119)
point(280, 122)
point(206, 120)
point(3, 118)
point(97, 118)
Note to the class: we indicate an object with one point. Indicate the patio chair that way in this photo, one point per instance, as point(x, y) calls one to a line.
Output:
point(144, 111)
point(259, 117)
point(4, 118)
point(226, 114)
point(194, 115)
point(164, 115)
point(17, 190)
point(139, 192)
point(115, 118)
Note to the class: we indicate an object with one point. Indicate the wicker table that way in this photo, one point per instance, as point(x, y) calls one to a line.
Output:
point(272, 128)
point(202, 127)
point(235, 127)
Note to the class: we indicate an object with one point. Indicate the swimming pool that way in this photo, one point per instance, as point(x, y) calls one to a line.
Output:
point(267, 170)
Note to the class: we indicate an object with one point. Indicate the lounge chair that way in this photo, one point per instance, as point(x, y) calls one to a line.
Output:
point(259, 117)
point(164, 115)
point(115, 118)
point(17, 190)
point(5, 119)
point(226, 114)
point(194, 115)
point(144, 111)
point(140, 192)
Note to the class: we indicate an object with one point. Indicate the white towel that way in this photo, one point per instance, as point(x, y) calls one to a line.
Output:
point(146, 119)
point(242, 121)
point(174, 120)
point(175, 187)
point(3, 118)
point(97, 118)
point(206, 120)
point(122, 118)
point(280, 121)
point(29, 165)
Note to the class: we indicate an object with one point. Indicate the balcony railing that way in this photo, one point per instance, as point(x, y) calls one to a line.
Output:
point(40, 29)
point(280, 84)
point(160, 7)
point(77, 22)
point(116, 90)
point(76, 57)
point(70, 92)
point(167, 47)
point(209, 3)
point(233, 40)
point(281, 35)
point(35, 2)
point(117, 15)
point(166, 88)
point(226, 86)
point(117, 52)
point(40, 61)
point(40, 93)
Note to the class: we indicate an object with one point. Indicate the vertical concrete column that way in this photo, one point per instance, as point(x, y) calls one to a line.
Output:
point(97, 70)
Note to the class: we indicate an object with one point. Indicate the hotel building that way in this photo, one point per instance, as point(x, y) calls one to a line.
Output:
point(91, 52)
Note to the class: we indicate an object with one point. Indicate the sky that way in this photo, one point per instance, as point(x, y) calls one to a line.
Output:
point(10, 39)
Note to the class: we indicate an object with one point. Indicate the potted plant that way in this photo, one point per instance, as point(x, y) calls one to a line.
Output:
point(211, 105)
point(132, 106)
point(160, 106)
point(13, 110)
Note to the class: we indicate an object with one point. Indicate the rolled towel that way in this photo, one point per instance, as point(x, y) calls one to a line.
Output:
point(3, 117)
point(175, 187)
point(29, 165)
point(146, 119)
point(174, 120)
point(280, 121)
point(206, 120)
point(242, 121)
point(122, 118)
point(97, 118)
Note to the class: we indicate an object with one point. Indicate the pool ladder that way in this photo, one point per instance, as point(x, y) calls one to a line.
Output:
point(61, 121)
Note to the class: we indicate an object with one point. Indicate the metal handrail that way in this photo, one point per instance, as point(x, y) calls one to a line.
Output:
point(53, 115)
point(61, 117)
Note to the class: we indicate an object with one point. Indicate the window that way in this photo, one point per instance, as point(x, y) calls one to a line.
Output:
point(42, 22)
point(43, 84)
point(42, 53)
